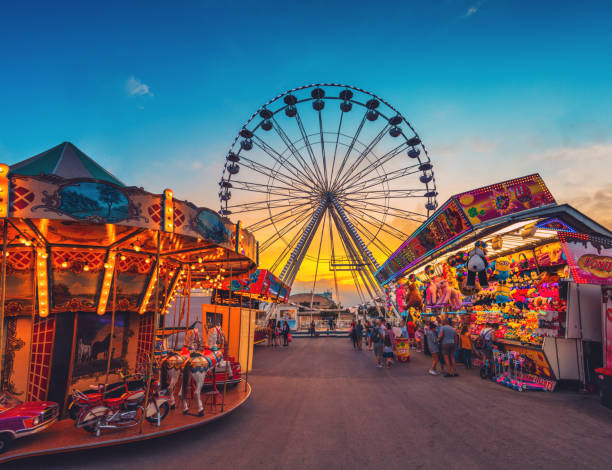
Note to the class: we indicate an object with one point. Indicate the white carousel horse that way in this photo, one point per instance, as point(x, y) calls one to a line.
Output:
point(171, 369)
point(194, 367)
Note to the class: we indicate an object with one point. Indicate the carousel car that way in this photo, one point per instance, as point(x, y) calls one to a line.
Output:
point(234, 374)
point(22, 419)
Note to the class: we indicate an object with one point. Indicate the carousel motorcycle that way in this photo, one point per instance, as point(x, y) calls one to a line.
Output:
point(102, 410)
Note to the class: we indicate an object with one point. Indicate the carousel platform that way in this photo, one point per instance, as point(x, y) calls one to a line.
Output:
point(64, 437)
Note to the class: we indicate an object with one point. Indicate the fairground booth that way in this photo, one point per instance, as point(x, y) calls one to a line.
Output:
point(89, 266)
point(236, 306)
point(509, 255)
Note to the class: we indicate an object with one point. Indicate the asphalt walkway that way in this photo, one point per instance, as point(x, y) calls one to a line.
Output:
point(321, 405)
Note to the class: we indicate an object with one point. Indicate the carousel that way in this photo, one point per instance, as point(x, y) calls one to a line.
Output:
point(91, 268)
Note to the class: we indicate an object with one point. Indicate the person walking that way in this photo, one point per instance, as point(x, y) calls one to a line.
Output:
point(377, 343)
point(277, 333)
point(359, 335)
point(433, 347)
point(368, 328)
point(388, 341)
point(285, 332)
point(352, 335)
point(312, 328)
point(270, 332)
point(466, 347)
point(447, 337)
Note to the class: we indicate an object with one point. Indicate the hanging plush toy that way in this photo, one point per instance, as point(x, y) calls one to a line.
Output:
point(432, 292)
point(413, 298)
point(477, 265)
point(400, 294)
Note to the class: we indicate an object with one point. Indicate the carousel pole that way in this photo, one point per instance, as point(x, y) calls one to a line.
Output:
point(155, 322)
point(246, 380)
point(188, 287)
point(33, 321)
point(112, 332)
point(174, 319)
point(2, 298)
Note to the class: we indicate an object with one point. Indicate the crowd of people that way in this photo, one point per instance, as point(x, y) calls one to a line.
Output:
point(278, 331)
point(438, 338)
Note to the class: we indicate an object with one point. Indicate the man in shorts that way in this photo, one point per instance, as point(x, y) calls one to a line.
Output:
point(377, 342)
point(448, 344)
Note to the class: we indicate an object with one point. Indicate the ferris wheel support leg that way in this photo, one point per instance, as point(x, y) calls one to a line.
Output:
point(304, 242)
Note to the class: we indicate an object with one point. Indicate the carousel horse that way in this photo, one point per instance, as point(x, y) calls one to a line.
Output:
point(171, 369)
point(196, 367)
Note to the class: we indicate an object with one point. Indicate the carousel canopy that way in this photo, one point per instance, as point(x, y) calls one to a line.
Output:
point(64, 160)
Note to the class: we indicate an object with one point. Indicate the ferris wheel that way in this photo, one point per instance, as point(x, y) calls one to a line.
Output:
point(331, 174)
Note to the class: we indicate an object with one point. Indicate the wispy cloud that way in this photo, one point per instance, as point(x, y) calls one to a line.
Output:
point(136, 87)
point(473, 9)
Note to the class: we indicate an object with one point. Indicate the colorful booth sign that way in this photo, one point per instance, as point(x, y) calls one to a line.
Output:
point(461, 214)
point(261, 284)
point(505, 198)
point(446, 225)
point(589, 258)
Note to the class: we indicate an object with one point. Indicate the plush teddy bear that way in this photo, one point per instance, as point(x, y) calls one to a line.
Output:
point(477, 265)
point(413, 298)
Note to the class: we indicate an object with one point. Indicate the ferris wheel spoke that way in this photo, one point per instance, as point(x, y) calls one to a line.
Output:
point(385, 178)
point(266, 202)
point(269, 172)
point(279, 234)
point(406, 213)
point(362, 226)
point(379, 162)
point(265, 189)
point(262, 206)
point(323, 151)
point(315, 164)
point(288, 248)
point(305, 179)
point(364, 153)
point(283, 215)
point(388, 229)
point(349, 149)
point(331, 173)
point(294, 151)
point(385, 194)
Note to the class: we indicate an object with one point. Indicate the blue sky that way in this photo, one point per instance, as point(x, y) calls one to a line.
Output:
point(156, 91)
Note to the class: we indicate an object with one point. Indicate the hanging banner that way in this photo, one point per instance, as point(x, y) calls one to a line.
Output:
point(446, 225)
point(502, 199)
point(589, 258)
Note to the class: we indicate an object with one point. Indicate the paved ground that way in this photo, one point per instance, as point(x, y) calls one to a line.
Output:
point(319, 404)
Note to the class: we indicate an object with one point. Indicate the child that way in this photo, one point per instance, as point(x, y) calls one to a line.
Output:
point(466, 347)
point(418, 338)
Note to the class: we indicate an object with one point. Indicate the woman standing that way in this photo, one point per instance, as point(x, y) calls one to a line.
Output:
point(431, 336)
point(388, 340)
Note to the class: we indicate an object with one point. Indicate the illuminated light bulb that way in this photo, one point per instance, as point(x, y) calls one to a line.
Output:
point(45, 255)
point(199, 260)
point(86, 267)
point(42, 284)
point(147, 260)
point(136, 248)
point(122, 257)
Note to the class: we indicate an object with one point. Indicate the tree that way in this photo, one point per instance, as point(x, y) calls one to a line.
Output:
point(109, 196)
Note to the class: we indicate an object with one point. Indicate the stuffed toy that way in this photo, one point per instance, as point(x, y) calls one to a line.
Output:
point(399, 296)
point(413, 298)
point(501, 270)
point(477, 265)
point(502, 296)
point(432, 292)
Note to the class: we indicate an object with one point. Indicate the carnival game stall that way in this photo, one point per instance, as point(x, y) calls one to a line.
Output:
point(89, 266)
point(498, 255)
